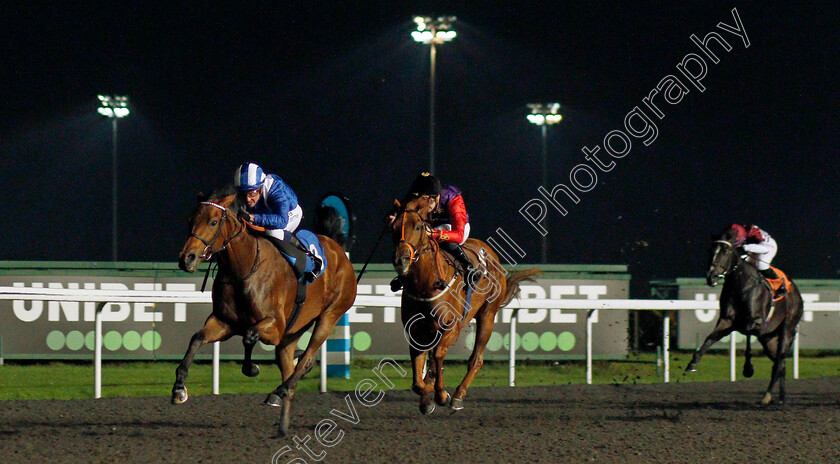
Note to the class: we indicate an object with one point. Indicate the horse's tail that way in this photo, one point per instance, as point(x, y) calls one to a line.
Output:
point(513, 282)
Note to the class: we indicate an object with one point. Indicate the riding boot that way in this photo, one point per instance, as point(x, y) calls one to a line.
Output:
point(471, 275)
point(310, 275)
point(291, 247)
point(776, 282)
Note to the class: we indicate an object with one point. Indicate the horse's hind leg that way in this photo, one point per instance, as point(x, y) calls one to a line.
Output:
point(214, 330)
point(722, 329)
point(776, 349)
point(483, 329)
point(286, 360)
point(319, 335)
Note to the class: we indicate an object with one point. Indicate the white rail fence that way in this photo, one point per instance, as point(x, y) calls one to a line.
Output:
point(103, 297)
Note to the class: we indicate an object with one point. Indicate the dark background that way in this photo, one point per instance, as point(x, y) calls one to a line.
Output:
point(335, 98)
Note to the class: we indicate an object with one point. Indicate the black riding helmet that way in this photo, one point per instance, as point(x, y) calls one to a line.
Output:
point(424, 184)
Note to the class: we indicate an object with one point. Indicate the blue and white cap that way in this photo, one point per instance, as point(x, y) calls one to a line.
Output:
point(248, 177)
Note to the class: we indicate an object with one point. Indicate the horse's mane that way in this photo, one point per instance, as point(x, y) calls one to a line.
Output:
point(225, 191)
point(728, 234)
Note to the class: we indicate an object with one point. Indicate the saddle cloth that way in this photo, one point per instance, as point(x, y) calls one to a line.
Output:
point(313, 249)
point(775, 284)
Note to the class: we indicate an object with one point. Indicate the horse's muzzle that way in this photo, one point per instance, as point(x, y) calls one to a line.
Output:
point(188, 262)
point(401, 265)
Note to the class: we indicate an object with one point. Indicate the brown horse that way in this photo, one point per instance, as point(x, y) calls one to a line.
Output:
point(434, 303)
point(253, 296)
point(746, 306)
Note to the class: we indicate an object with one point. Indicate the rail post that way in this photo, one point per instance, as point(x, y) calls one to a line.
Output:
point(97, 351)
point(732, 348)
point(323, 388)
point(666, 346)
point(512, 365)
point(589, 346)
point(216, 349)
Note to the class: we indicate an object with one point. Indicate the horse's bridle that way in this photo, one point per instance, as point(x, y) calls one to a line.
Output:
point(208, 244)
point(414, 254)
point(724, 270)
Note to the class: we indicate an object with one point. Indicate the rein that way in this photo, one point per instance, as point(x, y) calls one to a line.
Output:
point(433, 247)
point(208, 245)
point(725, 271)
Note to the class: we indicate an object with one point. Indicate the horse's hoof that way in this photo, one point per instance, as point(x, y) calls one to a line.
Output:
point(427, 409)
point(456, 404)
point(283, 430)
point(252, 371)
point(180, 396)
point(692, 367)
point(748, 371)
point(767, 399)
point(444, 401)
point(273, 400)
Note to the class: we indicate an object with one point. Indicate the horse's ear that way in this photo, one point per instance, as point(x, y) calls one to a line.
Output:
point(397, 204)
point(226, 201)
point(201, 197)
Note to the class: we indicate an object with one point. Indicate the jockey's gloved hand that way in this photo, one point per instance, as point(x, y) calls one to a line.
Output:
point(244, 216)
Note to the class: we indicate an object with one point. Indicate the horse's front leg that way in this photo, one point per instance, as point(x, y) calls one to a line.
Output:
point(722, 329)
point(419, 385)
point(214, 330)
point(265, 330)
point(442, 397)
point(748, 367)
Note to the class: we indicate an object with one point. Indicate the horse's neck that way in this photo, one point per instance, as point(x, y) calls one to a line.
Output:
point(425, 273)
point(238, 258)
point(745, 276)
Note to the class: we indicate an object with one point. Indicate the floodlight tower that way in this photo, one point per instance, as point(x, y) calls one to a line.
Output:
point(433, 32)
point(544, 115)
point(114, 108)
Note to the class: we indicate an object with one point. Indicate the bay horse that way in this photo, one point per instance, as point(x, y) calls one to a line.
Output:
point(254, 293)
point(435, 303)
point(747, 306)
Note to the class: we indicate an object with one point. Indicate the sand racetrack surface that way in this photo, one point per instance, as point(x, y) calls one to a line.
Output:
point(669, 423)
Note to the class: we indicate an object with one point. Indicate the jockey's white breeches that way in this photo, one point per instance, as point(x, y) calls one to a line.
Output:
point(761, 254)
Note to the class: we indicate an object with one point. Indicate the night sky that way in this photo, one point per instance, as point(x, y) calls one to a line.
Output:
point(336, 99)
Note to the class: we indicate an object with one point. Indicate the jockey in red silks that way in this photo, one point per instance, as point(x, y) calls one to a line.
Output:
point(447, 215)
point(761, 249)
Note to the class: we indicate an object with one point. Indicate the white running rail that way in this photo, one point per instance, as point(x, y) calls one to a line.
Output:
point(103, 297)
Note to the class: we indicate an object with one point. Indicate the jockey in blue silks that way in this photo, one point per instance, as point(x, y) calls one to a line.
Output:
point(272, 204)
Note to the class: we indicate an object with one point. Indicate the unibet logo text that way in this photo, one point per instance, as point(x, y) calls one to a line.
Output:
point(74, 311)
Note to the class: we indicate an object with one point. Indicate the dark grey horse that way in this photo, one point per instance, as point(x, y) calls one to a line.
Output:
point(746, 306)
